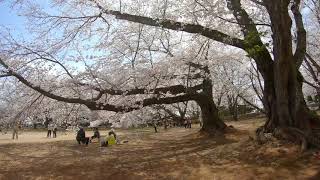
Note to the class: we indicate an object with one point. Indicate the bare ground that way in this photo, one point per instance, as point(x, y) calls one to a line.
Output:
point(175, 153)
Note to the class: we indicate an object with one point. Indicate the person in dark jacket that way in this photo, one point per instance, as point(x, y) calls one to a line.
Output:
point(81, 137)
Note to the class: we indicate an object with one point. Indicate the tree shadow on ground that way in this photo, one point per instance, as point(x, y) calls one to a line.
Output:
point(68, 158)
point(173, 154)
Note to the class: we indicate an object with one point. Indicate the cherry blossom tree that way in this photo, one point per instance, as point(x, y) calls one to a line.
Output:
point(263, 29)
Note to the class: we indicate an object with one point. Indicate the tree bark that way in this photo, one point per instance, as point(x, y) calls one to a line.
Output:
point(209, 112)
point(284, 64)
point(210, 118)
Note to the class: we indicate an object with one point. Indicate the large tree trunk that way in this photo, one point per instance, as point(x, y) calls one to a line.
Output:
point(304, 119)
point(209, 112)
point(300, 113)
point(285, 71)
point(288, 115)
point(269, 103)
point(282, 96)
point(286, 91)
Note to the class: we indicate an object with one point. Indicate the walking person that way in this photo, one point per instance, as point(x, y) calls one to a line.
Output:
point(155, 127)
point(185, 123)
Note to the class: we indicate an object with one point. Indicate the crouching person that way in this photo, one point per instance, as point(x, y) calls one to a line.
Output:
point(96, 134)
point(81, 137)
point(111, 139)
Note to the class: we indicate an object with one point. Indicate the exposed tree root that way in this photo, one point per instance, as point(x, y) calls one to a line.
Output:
point(291, 134)
point(217, 132)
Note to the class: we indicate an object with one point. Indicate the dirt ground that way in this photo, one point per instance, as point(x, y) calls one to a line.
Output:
point(176, 153)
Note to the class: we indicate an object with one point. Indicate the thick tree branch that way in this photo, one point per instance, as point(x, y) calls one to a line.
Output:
point(46, 92)
point(311, 71)
point(310, 84)
point(175, 25)
point(190, 94)
point(176, 89)
point(257, 74)
point(253, 105)
point(144, 103)
point(301, 34)
point(5, 75)
point(255, 88)
point(314, 63)
point(246, 23)
point(263, 59)
point(199, 66)
point(169, 112)
point(257, 2)
point(230, 21)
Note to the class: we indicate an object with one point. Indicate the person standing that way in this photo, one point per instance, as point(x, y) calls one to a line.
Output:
point(155, 127)
point(54, 131)
point(49, 130)
point(15, 130)
point(189, 123)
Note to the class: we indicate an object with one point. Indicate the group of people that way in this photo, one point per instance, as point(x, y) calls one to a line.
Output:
point(52, 129)
point(109, 140)
point(187, 123)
